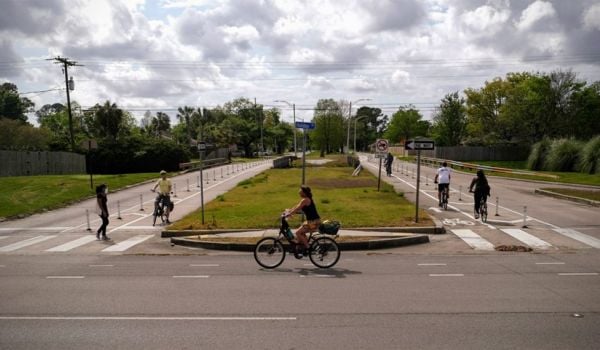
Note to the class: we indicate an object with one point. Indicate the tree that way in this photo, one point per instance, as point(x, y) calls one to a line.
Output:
point(449, 122)
point(48, 110)
point(16, 135)
point(185, 116)
point(370, 124)
point(329, 129)
point(406, 123)
point(161, 124)
point(12, 106)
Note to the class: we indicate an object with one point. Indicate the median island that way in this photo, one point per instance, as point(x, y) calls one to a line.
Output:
point(251, 210)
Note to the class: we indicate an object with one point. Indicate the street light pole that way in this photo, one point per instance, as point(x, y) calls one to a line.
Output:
point(349, 121)
point(294, 111)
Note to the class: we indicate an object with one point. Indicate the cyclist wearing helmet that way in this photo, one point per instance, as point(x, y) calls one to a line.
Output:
point(482, 190)
point(164, 193)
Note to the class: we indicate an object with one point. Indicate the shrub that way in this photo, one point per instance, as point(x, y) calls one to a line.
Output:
point(538, 154)
point(563, 155)
point(589, 161)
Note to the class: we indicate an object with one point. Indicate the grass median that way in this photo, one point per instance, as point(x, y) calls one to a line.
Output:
point(23, 195)
point(352, 200)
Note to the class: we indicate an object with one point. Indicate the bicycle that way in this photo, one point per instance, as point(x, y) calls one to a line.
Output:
point(159, 209)
point(444, 197)
point(323, 251)
point(483, 212)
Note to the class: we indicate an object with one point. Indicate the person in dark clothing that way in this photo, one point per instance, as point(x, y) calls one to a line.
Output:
point(389, 159)
point(307, 206)
point(482, 190)
point(102, 210)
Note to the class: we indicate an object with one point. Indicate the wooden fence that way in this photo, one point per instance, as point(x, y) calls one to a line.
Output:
point(499, 153)
point(23, 163)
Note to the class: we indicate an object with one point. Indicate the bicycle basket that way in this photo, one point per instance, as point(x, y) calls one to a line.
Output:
point(330, 227)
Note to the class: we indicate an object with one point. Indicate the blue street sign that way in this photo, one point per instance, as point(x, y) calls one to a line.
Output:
point(305, 125)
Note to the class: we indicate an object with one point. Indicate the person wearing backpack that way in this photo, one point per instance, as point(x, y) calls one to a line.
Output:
point(482, 190)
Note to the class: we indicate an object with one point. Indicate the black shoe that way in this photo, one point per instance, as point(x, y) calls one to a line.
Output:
point(168, 222)
point(104, 238)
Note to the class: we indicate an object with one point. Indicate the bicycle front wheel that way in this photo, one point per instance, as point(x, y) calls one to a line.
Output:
point(484, 213)
point(269, 253)
point(324, 252)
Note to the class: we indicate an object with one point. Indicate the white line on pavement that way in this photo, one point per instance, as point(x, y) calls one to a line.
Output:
point(73, 244)
point(319, 276)
point(431, 264)
point(204, 265)
point(3, 237)
point(51, 228)
point(578, 236)
point(101, 265)
point(474, 240)
point(64, 277)
point(550, 263)
point(192, 276)
point(446, 275)
point(578, 274)
point(122, 246)
point(25, 243)
point(526, 238)
point(116, 318)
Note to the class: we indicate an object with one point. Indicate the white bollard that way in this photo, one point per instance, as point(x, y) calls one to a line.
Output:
point(206, 176)
point(174, 190)
point(497, 207)
point(214, 176)
point(141, 202)
point(188, 184)
point(87, 218)
point(460, 193)
point(221, 172)
point(119, 210)
point(524, 217)
point(197, 180)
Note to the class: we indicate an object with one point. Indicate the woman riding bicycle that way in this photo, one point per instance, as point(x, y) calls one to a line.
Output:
point(482, 190)
point(313, 220)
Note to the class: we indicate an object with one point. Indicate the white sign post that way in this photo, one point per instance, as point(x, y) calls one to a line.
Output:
point(419, 145)
point(381, 149)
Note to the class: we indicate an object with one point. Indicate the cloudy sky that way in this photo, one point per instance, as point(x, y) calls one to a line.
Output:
point(158, 55)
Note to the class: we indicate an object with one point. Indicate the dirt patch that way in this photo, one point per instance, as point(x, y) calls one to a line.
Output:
point(342, 183)
point(512, 248)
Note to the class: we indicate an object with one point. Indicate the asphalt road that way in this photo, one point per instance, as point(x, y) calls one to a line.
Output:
point(368, 301)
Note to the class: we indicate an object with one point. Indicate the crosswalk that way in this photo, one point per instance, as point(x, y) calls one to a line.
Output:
point(487, 239)
point(44, 243)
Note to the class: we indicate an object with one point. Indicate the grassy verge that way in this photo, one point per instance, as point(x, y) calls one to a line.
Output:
point(354, 201)
point(24, 195)
point(587, 194)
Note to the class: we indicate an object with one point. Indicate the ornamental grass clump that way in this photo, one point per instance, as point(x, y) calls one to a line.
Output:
point(538, 155)
point(563, 155)
point(589, 161)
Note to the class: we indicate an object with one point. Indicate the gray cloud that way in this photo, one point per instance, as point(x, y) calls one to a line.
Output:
point(31, 17)
point(11, 59)
point(394, 15)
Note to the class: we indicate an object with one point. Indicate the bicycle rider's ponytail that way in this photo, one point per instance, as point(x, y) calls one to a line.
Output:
point(306, 191)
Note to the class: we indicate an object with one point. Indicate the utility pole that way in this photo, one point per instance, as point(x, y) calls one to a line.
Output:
point(66, 64)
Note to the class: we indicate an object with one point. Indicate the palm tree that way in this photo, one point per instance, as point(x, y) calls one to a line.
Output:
point(185, 114)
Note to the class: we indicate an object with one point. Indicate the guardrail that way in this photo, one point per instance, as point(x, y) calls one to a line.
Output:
point(205, 163)
point(438, 161)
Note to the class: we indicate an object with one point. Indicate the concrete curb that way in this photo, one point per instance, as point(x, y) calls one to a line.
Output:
point(433, 230)
point(567, 197)
point(378, 243)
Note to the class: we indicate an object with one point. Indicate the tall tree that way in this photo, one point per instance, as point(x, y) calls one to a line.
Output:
point(406, 123)
point(369, 124)
point(185, 116)
point(12, 106)
point(328, 135)
point(450, 120)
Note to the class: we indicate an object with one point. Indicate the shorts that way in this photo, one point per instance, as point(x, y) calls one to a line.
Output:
point(166, 199)
point(441, 187)
point(311, 225)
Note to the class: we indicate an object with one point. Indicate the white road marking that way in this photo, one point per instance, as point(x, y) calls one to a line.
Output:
point(64, 277)
point(578, 236)
point(319, 276)
point(137, 227)
point(25, 243)
point(101, 265)
point(526, 238)
point(53, 228)
point(578, 274)
point(431, 264)
point(437, 210)
point(117, 318)
point(446, 275)
point(122, 246)
point(204, 265)
point(2, 265)
point(73, 244)
point(3, 237)
point(550, 263)
point(192, 276)
point(473, 240)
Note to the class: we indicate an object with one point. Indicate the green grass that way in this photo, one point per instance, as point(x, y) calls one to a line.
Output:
point(580, 193)
point(32, 194)
point(354, 201)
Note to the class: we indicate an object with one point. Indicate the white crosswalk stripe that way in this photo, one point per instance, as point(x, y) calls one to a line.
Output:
point(474, 240)
point(526, 238)
point(122, 246)
point(578, 236)
point(25, 243)
point(72, 244)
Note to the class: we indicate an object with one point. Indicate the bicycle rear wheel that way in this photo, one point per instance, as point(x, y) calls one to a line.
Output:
point(483, 211)
point(324, 252)
point(269, 253)
point(445, 200)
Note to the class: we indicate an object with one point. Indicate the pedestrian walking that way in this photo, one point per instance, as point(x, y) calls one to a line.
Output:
point(102, 210)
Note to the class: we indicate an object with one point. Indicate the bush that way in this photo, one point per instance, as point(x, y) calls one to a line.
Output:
point(563, 155)
point(589, 161)
point(538, 155)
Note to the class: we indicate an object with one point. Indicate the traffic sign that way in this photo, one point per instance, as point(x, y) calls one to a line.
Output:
point(423, 145)
point(201, 146)
point(305, 125)
point(381, 145)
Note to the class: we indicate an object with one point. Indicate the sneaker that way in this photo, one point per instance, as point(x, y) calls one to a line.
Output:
point(476, 216)
point(105, 238)
point(168, 222)
point(440, 204)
